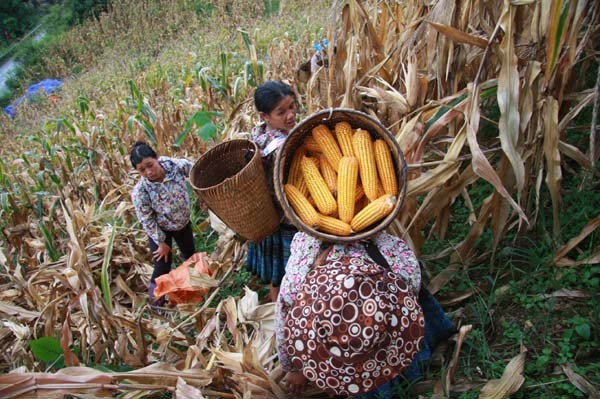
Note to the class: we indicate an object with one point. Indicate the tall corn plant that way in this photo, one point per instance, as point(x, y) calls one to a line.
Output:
point(425, 70)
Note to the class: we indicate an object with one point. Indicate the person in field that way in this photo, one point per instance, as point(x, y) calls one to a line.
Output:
point(353, 320)
point(276, 103)
point(162, 206)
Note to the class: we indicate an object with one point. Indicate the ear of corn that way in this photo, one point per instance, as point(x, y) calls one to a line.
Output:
point(328, 174)
point(328, 145)
point(318, 188)
point(295, 176)
point(343, 133)
point(363, 150)
point(360, 204)
point(334, 226)
point(347, 178)
point(385, 167)
point(373, 212)
point(301, 206)
point(360, 193)
point(380, 190)
point(311, 145)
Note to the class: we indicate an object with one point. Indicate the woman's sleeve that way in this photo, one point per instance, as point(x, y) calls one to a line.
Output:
point(401, 258)
point(183, 165)
point(281, 312)
point(146, 215)
point(303, 251)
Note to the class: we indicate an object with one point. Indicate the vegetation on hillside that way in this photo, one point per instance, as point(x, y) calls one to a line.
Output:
point(493, 107)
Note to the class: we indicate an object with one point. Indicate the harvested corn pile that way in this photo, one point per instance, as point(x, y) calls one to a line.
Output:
point(343, 181)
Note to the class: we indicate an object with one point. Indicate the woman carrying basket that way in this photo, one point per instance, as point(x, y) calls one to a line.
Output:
point(355, 309)
point(276, 103)
point(162, 206)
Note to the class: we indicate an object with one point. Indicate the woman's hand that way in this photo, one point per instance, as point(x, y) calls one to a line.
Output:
point(296, 382)
point(162, 252)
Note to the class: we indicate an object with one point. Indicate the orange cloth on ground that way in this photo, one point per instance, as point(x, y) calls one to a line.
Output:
point(177, 282)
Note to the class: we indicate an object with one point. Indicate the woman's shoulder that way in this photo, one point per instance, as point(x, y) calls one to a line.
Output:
point(303, 241)
point(139, 190)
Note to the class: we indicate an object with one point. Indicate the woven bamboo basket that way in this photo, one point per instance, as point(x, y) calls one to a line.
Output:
point(230, 179)
point(330, 117)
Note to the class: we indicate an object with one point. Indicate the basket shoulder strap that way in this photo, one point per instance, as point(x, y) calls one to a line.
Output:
point(322, 255)
point(375, 254)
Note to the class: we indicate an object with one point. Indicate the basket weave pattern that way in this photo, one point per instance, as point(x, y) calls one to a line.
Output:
point(330, 117)
point(230, 179)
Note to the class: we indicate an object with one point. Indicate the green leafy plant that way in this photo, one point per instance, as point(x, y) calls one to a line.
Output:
point(48, 350)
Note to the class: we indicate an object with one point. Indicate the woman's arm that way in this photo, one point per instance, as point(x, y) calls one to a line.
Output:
point(183, 165)
point(401, 259)
point(146, 215)
point(303, 251)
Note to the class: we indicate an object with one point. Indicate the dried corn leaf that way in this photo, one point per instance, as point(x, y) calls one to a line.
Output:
point(510, 382)
point(186, 391)
point(588, 229)
point(552, 155)
point(459, 36)
point(566, 293)
point(508, 97)
point(480, 163)
point(581, 383)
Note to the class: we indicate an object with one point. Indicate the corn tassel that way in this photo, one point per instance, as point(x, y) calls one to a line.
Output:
point(329, 175)
point(373, 212)
point(363, 149)
point(347, 179)
point(328, 145)
point(344, 133)
point(334, 226)
point(301, 206)
point(385, 167)
point(318, 188)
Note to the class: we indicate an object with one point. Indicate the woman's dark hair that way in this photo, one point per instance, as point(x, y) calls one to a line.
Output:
point(268, 95)
point(140, 151)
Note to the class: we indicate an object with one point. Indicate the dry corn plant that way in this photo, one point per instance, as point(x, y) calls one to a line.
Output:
point(426, 70)
point(72, 269)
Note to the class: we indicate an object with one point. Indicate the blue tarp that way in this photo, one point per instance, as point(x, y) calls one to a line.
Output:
point(48, 86)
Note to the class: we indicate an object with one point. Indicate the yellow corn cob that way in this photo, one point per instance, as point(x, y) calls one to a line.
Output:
point(360, 193)
point(373, 212)
point(328, 145)
point(295, 170)
point(343, 133)
point(385, 167)
point(295, 176)
point(315, 161)
point(334, 226)
point(311, 144)
point(328, 174)
point(363, 150)
point(301, 206)
point(380, 190)
point(347, 178)
point(318, 188)
point(360, 204)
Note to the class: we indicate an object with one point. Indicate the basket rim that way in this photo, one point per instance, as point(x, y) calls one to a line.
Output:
point(279, 169)
point(211, 151)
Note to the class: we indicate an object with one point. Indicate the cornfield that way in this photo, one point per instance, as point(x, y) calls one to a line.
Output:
point(73, 258)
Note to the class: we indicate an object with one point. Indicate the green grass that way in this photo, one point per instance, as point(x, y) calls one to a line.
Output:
point(513, 304)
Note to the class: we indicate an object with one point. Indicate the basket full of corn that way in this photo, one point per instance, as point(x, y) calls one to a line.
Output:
point(340, 176)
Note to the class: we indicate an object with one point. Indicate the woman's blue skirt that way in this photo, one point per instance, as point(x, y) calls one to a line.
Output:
point(267, 259)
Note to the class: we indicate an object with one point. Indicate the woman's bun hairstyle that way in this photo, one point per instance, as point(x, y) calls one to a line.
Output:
point(139, 151)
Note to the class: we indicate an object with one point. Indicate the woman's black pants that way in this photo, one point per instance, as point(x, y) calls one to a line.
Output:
point(184, 239)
